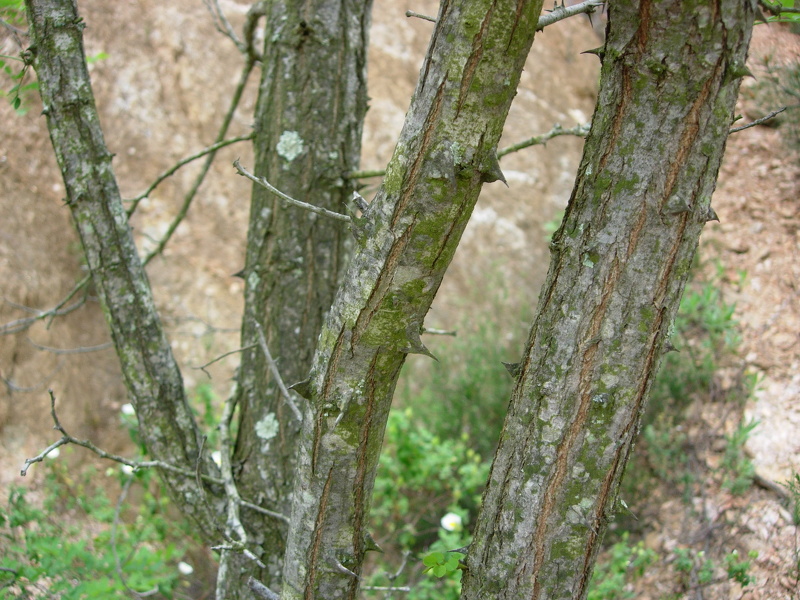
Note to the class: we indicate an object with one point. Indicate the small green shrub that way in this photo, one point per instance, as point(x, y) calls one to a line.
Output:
point(420, 478)
point(46, 554)
point(738, 469)
point(625, 564)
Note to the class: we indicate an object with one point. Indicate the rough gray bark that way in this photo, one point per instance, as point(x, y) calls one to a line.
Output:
point(312, 94)
point(404, 243)
point(153, 379)
point(670, 77)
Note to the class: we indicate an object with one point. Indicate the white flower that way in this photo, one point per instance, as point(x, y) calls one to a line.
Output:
point(216, 456)
point(185, 568)
point(126, 469)
point(53, 453)
point(451, 522)
point(127, 409)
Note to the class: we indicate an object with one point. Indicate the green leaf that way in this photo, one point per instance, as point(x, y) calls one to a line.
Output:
point(433, 559)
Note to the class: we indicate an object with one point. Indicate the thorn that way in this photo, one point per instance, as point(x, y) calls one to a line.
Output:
point(760, 15)
point(668, 347)
point(514, 369)
point(242, 274)
point(599, 52)
point(370, 545)
point(493, 172)
point(303, 388)
point(344, 570)
point(415, 345)
point(711, 215)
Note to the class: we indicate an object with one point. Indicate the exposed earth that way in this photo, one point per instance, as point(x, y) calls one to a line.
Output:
point(161, 93)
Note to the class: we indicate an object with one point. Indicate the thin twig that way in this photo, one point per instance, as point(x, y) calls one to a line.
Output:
point(260, 590)
point(430, 331)
point(304, 205)
point(366, 174)
point(562, 12)
point(275, 373)
point(142, 464)
point(208, 364)
point(185, 161)
point(57, 311)
point(758, 121)
point(223, 130)
point(79, 350)
point(234, 521)
point(223, 25)
point(13, 387)
point(265, 511)
point(382, 588)
point(411, 13)
point(556, 131)
point(257, 10)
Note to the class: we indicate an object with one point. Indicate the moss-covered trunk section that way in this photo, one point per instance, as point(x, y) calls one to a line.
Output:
point(308, 126)
point(670, 76)
point(404, 243)
point(151, 374)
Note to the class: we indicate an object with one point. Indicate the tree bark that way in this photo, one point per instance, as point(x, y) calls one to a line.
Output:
point(670, 77)
point(151, 374)
point(308, 125)
point(404, 243)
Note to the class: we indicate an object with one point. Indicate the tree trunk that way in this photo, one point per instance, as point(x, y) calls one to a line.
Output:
point(166, 422)
point(671, 71)
point(308, 124)
point(405, 242)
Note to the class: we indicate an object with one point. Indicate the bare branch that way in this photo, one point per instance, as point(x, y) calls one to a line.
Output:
point(260, 590)
point(258, 10)
point(562, 12)
point(13, 387)
point(223, 25)
point(57, 311)
point(556, 131)
point(203, 367)
point(223, 130)
point(411, 13)
point(367, 174)
point(265, 511)
point(234, 521)
point(758, 121)
point(79, 350)
point(538, 140)
point(304, 205)
point(172, 170)
point(275, 373)
point(430, 331)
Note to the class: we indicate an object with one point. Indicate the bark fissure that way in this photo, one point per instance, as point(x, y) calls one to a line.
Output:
point(658, 127)
point(473, 60)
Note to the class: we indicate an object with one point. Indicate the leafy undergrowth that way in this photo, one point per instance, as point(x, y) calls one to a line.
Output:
point(685, 514)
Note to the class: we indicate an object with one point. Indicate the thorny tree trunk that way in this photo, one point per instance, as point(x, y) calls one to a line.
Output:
point(308, 125)
point(151, 374)
point(405, 242)
point(670, 76)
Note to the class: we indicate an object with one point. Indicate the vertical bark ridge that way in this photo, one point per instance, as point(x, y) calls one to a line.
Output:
point(619, 264)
